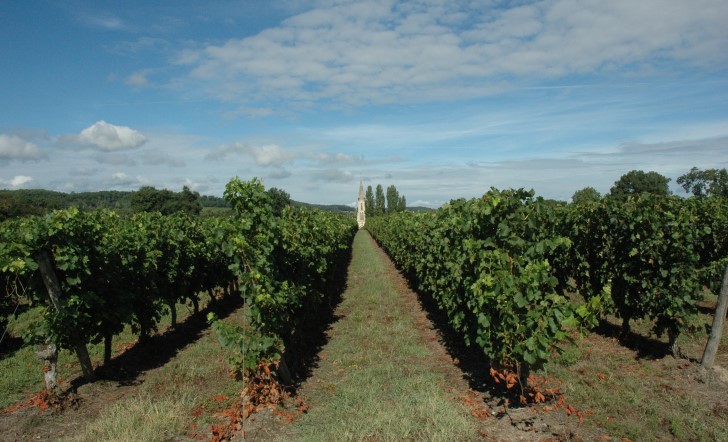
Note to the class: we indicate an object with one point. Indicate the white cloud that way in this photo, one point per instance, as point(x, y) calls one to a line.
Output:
point(263, 155)
point(108, 137)
point(420, 203)
point(19, 180)
point(361, 52)
point(16, 181)
point(13, 147)
point(126, 181)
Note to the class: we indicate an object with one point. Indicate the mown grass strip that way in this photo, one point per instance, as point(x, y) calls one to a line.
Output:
point(142, 418)
point(376, 380)
point(181, 395)
point(22, 371)
point(642, 398)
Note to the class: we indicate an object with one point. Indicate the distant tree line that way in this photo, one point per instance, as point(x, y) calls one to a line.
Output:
point(149, 199)
point(23, 202)
point(378, 204)
point(15, 203)
point(701, 183)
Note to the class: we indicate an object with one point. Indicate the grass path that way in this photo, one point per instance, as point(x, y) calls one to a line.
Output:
point(380, 377)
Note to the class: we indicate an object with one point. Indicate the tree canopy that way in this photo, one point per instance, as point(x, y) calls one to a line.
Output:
point(705, 183)
point(586, 195)
point(395, 202)
point(379, 201)
point(149, 199)
point(369, 202)
point(637, 182)
point(280, 199)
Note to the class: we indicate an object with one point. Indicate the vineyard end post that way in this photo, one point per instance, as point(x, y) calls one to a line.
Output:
point(716, 332)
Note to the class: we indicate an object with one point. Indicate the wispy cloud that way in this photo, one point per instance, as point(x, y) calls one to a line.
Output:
point(364, 52)
point(334, 175)
point(162, 159)
point(114, 159)
point(441, 98)
point(105, 21)
point(138, 79)
point(263, 155)
point(334, 158)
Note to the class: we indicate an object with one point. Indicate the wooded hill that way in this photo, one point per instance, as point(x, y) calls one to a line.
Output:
point(14, 203)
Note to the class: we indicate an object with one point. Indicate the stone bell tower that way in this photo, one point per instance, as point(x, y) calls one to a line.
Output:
point(360, 208)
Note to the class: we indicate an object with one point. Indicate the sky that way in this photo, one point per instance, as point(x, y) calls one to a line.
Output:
point(442, 98)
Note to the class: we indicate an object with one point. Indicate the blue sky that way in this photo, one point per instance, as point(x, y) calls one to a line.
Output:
point(443, 99)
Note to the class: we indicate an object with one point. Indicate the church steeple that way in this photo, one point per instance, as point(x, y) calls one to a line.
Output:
point(360, 206)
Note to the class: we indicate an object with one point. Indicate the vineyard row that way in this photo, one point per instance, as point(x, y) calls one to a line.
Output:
point(503, 266)
point(96, 272)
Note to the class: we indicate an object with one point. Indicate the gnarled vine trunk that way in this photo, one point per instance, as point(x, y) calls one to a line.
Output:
point(49, 354)
point(54, 293)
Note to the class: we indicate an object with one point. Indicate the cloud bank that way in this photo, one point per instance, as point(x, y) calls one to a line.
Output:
point(374, 52)
point(13, 147)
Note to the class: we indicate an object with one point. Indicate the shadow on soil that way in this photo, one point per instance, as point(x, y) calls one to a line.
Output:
point(471, 361)
point(475, 366)
point(314, 335)
point(645, 347)
point(160, 349)
point(9, 345)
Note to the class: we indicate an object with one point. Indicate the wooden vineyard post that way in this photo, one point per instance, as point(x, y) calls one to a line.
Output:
point(711, 348)
point(54, 292)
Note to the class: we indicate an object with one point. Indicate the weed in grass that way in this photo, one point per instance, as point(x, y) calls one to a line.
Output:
point(570, 356)
point(141, 418)
point(676, 428)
